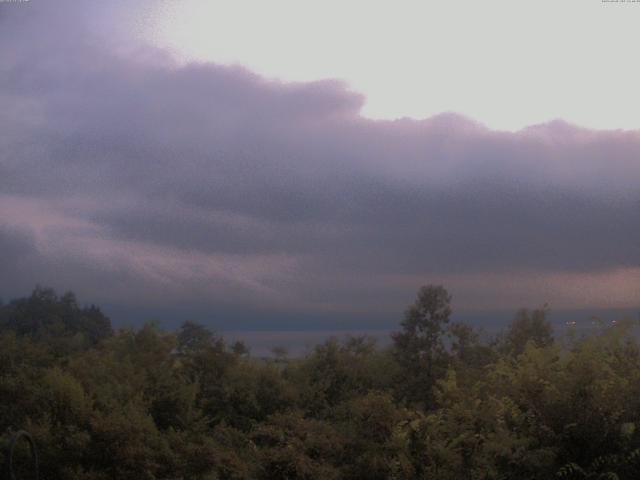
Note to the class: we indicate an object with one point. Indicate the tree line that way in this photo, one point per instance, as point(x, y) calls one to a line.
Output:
point(441, 401)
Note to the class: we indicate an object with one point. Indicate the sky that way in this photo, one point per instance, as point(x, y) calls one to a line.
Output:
point(312, 165)
point(537, 60)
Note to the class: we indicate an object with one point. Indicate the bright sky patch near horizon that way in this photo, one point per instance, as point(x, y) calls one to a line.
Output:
point(505, 64)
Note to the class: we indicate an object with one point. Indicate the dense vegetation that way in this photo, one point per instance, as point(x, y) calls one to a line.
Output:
point(441, 402)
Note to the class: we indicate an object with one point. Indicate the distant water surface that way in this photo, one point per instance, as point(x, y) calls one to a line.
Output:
point(301, 342)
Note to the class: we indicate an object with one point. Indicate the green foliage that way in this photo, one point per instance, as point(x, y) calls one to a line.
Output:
point(338, 371)
point(293, 447)
point(194, 338)
point(419, 347)
point(376, 448)
point(44, 315)
point(528, 327)
point(442, 402)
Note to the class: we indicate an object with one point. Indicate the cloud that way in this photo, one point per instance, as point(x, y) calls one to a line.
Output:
point(16, 246)
point(133, 179)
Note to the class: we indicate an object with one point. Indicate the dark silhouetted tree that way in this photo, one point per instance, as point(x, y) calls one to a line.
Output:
point(194, 338)
point(528, 326)
point(419, 348)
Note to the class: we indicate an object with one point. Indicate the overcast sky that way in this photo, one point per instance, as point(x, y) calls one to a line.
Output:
point(141, 170)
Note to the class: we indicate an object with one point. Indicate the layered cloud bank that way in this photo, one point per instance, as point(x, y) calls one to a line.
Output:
point(135, 181)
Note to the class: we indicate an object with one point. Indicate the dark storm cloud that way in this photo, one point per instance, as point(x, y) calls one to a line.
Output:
point(15, 245)
point(210, 182)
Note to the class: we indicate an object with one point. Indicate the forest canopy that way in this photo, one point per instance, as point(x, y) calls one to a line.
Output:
point(442, 401)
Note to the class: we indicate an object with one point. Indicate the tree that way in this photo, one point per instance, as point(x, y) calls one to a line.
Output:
point(419, 348)
point(339, 371)
point(96, 326)
point(45, 316)
point(194, 338)
point(377, 449)
point(528, 326)
point(469, 355)
point(240, 348)
point(293, 447)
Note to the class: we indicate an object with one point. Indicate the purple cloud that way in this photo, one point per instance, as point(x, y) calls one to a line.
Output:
point(129, 178)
